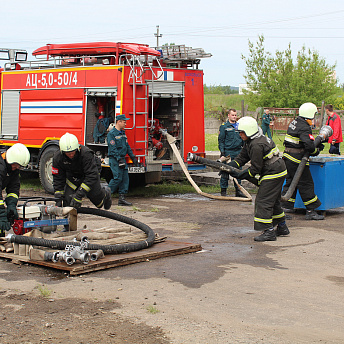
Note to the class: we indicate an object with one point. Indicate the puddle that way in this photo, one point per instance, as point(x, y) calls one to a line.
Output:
point(189, 197)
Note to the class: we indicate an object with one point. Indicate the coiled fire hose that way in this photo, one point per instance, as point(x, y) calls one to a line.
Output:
point(171, 140)
point(107, 249)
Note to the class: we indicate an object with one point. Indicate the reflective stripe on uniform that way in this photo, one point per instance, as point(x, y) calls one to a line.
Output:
point(292, 139)
point(291, 158)
point(12, 195)
point(257, 219)
point(273, 176)
point(278, 216)
point(70, 184)
point(314, 199)
point(273, 151)
point(85, 187)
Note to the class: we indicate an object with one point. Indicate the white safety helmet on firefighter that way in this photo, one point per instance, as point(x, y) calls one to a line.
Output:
point(308, 110)
point(248, 125)
point(68, 143)
point(18, 154)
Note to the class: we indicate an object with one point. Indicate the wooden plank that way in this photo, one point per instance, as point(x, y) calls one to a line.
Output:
point(163, 249)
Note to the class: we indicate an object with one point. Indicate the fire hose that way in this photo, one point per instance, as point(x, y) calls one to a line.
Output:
point(223, 167)
point(324, 133)
point(109, 249)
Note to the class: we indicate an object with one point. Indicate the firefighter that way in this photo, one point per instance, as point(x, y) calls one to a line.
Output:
point(118, 149)
point(76, 174)
point(297, 142)
point(11, 161)
point(267, 171)
point(230, 144)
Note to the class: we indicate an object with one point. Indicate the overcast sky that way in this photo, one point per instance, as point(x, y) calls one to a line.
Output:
point(220, 27)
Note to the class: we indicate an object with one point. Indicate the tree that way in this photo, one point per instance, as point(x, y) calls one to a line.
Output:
point(278, 81)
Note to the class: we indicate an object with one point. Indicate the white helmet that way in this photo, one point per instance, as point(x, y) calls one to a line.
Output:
point(308, 110)
point(68, 143)
point(18, 154)
point(248, 125)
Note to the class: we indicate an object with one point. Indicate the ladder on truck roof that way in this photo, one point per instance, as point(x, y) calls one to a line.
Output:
point(180, 54)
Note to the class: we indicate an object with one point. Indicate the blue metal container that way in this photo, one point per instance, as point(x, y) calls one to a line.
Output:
point(328, 177)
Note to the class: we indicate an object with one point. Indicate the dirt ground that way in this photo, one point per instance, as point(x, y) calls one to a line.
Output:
point(233, 291)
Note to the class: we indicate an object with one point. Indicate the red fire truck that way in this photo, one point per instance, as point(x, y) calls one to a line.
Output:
point(80, 88)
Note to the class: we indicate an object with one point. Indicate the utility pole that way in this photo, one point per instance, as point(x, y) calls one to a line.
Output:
point(157, 35)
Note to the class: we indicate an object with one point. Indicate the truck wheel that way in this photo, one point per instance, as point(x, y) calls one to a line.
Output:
point(45, 168)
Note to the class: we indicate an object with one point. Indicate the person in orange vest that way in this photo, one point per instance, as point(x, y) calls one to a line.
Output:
point(334, 122)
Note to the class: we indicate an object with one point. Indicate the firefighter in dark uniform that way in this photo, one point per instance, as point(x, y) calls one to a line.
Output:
point(118, 148)
point(297, 142)
point(267, 171)
point(11, 161)
point(230, 144)
point(76, 174)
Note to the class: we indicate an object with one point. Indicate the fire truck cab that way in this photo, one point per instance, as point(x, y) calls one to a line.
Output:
point(80, 88)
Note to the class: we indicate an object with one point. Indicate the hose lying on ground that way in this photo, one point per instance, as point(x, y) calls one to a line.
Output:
point(171, 140)
point(107, 249)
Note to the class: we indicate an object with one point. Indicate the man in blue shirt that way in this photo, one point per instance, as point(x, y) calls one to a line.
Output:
point(230, 144)
point(118, 148)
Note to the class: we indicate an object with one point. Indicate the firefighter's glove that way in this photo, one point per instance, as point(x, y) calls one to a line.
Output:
point(77, 197)
point(321, 147)
point(12, 213)
point(4, 223)
point(241, 175)
point(135, 162)
point(59, 199)
point(121, 163)
point(75, 202)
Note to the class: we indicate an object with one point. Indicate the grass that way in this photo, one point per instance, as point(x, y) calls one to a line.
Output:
point(214, 102)
point(169, 187)
point(45, 292)
point(153, 310)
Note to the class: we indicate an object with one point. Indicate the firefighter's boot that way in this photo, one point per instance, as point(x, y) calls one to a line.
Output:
point(238, 193)
point(313, 215)
point(267, 235)
point(282, 229)
point(107, 199)
point(223, 192)
point(122, 201)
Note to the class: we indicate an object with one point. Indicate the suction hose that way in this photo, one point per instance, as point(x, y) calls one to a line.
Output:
point(171, 140)
point(325, 132)
point(107, 249)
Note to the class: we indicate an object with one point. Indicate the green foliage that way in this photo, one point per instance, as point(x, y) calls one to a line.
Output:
point(278, 81)
point(217, 105)
point(337, 100)
point(218, 89)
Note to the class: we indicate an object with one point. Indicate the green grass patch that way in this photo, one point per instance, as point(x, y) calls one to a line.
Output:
point(211, 142)
point(168, 188)
point(30, 181)
point(44, 291)
point(153, 310)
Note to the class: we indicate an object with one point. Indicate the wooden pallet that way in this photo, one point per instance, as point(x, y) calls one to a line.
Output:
point(163, 249)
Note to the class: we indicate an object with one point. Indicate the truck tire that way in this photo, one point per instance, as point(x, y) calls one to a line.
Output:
point(45, 168)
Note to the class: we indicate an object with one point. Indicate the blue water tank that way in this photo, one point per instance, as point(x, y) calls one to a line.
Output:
point(328, 177)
